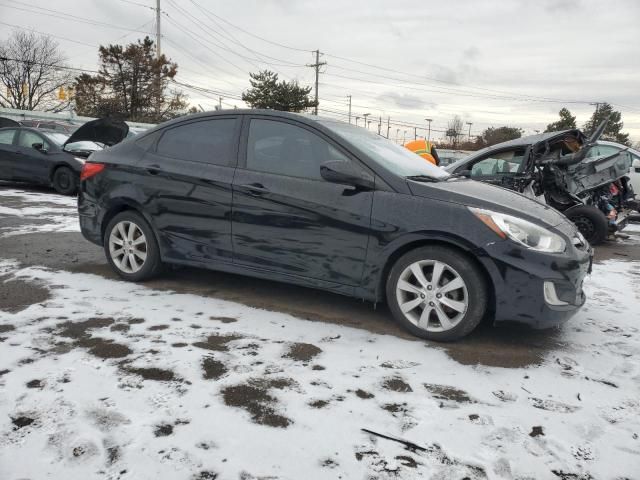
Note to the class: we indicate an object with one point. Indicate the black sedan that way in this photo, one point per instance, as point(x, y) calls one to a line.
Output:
point(46, 157)
point(324, 204)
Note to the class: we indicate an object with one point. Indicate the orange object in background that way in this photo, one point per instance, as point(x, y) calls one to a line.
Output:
point(425, 149)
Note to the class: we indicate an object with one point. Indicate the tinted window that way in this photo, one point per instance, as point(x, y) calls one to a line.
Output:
point(285, 149)
point(27, 139)
point(208, 141)
point(501, 163)
point(6, 137)
point(147, 141)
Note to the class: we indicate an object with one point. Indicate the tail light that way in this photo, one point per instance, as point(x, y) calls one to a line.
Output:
point(91, 169)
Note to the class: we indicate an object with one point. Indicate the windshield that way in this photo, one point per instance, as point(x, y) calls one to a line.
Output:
point(393, 157)
point(82, 145)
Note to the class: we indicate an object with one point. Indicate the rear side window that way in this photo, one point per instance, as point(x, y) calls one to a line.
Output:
point(148, 141)
point(207, 141)
point(6, 137)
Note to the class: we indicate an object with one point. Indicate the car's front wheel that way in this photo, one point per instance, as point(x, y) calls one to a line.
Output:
point(131, 247)
point(592, 223)
point(65, 181)
point(437, 293)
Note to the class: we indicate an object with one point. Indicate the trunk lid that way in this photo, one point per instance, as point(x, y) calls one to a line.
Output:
point(103, 130)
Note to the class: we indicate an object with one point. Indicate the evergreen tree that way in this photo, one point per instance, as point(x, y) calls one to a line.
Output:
point(613, 131)
point(267, 92)
point(566, 122)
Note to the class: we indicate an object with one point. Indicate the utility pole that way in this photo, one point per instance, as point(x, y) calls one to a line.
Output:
point(357, 118)
point(404, 137)
point(365, 115)
point(415, 133)
point(379, 124)
point(388, 125)
point(219, 103)
point(429, 127)
point(317, 66)
point(469, 123)
point(349, 108)
point(158, 29)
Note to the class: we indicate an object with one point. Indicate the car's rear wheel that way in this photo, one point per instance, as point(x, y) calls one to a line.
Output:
point(131, 247)
point(591, 222)
point(437, 293)
point(65, 181)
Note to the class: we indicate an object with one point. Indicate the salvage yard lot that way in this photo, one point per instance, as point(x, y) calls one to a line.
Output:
point(200, 374)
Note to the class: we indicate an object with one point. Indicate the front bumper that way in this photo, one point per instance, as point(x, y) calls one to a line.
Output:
point(519, 276)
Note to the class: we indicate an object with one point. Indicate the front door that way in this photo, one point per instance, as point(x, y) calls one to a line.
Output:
point(31, 164)
point(286, 218)
point(501, 168)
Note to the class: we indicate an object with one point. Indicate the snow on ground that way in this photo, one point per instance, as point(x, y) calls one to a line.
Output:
point(36, 211)
point(105, 379)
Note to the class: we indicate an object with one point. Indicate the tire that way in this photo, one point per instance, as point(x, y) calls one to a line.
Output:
point(65, 181)
point(591, 222)
point(469, 297)
point(130, 226)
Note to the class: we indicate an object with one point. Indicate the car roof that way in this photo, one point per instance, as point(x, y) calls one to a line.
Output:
point(619, 145)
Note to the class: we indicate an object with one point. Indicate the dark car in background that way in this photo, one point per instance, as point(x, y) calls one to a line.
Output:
point(565, 170)
point(46, 157)
point(328, 205)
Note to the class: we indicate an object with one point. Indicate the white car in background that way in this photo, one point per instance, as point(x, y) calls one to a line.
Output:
point(608, 148)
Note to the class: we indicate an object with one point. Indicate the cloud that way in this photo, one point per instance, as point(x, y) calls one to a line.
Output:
point(406, 101)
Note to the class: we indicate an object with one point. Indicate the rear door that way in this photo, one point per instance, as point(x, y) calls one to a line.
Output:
point(8, 153)
point(286, 218)
point(31, 164)
point(185, 178)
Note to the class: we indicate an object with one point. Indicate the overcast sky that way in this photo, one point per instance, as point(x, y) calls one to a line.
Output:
point(500, 62)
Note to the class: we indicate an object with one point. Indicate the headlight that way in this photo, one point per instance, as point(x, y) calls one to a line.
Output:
point(521, 231)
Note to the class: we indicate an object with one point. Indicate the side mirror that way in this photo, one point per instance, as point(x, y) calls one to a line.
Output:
point(345, 173)
point(39, 147)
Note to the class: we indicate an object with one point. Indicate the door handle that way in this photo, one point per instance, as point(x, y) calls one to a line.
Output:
point(153, 169)
point(255, 189)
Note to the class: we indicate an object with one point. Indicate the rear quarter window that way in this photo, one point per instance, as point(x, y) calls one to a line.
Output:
point(206, 141)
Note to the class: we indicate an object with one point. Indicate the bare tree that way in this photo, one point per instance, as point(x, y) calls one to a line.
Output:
point(31, 73)
point(454, 130)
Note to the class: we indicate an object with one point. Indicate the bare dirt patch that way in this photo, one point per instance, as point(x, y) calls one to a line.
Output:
point(364, 394)
point(80, 330)
point(21, 421)
point(120, 327)
point(35, 384)
point(213, 369)
point(6, 328)
point(318, 403)
point(224, 319)
point(152, 373)
point(163, 430)
point(217, 343)
point(255, 398)
point(103, 348)
point(396, 384)
point(302, 352)
point(446, 392)
point(16, 294)
point(154, 328)
point(135, 321)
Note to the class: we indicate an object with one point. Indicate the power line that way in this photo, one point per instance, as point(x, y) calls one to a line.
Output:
point(66, 16)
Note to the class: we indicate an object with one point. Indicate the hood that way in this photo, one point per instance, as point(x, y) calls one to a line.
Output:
point(7, 122)
point(489, 197)
point(103, 130)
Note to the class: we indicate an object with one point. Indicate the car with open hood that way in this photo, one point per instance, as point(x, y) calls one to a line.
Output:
point(46, 157)
point(564, 170)
point(325, 204)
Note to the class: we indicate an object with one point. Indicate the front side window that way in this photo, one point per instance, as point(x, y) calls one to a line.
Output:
point(27, 139)
point(6, 137)
point(502, 163)
point(284, 149)
point(206, 141)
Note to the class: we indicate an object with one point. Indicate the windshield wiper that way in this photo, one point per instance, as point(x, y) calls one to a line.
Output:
point(422, 178)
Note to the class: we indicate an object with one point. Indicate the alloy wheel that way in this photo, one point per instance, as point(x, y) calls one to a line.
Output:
point(128, 246)
point(432, 295)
